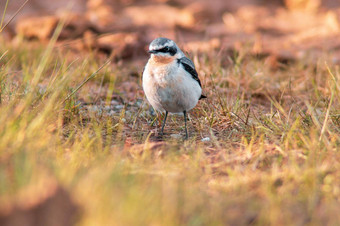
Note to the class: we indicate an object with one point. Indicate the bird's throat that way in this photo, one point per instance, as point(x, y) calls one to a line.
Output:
point(162, 59)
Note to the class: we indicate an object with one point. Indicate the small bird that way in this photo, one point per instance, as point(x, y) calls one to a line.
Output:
point(170, 80)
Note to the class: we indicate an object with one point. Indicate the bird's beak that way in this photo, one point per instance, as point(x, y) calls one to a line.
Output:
point(152, 51)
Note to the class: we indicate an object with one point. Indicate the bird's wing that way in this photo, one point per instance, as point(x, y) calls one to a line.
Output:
point(190, 68)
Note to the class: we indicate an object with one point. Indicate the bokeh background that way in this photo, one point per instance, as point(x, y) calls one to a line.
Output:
point(263, 154)
point(283, 29)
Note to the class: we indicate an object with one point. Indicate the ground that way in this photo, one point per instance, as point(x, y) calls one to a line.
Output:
point(79, 142)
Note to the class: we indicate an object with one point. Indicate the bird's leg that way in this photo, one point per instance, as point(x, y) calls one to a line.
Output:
point(185, 122)
point(166, 115)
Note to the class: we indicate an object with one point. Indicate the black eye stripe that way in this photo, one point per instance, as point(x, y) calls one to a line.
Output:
point(170, 50)
point(163, 50)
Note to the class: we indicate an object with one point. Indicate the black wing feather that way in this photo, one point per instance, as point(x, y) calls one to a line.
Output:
point(189, 68)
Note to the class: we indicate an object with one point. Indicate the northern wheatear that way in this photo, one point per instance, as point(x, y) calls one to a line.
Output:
point(170, 80)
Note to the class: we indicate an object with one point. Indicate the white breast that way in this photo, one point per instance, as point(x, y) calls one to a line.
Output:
point(170, 88)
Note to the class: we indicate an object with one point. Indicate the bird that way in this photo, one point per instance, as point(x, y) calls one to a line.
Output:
point(170, 80)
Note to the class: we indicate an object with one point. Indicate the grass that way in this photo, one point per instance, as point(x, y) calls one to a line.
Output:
point(273, 157)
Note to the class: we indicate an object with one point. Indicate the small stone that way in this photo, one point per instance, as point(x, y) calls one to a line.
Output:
point(40, 28)
point(119, 106)
point(307, 5)
point(160, 16)
point(114, 102)
point(75, 25)
point(121, 45)
point(206, 139)
point(111, 113)
point(176, 136)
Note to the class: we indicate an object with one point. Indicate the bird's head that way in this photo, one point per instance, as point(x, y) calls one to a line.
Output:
point(164, 48)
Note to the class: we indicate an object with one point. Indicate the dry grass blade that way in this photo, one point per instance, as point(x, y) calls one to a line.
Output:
point(4, 54)
point(324, 125)
point(3, 15)
point(336, 83)
point(14, 15)
point(86, 80)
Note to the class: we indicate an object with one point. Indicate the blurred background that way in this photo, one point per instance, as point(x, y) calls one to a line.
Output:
point(278, 31)
point(284, 29)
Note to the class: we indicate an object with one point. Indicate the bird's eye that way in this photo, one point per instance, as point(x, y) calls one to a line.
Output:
point(166, 49)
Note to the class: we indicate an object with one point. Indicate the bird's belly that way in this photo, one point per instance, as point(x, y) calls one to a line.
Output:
point(172, 94)
point(177, 99)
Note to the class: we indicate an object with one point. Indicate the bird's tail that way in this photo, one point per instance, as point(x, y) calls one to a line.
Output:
point(202, 97)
